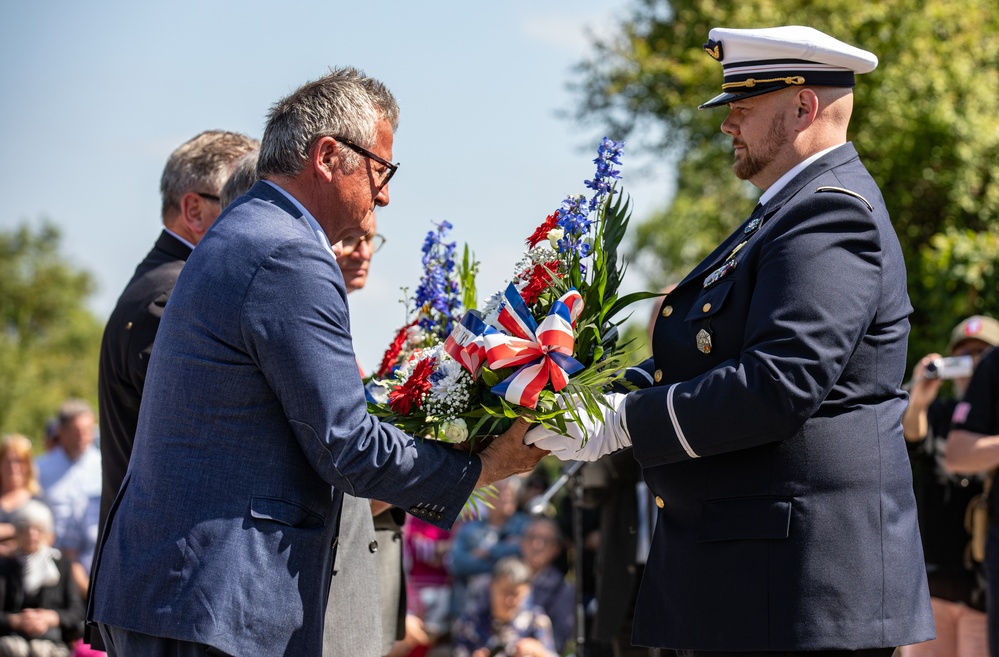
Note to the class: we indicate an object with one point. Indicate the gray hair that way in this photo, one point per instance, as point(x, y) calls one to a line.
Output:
point(71, 409)
point(344, 103)
point(513, 569)
point(201, 164)
point(244, 174)
point(34, 513)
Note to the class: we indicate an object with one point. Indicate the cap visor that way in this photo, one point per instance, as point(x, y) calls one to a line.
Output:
point(727, 97)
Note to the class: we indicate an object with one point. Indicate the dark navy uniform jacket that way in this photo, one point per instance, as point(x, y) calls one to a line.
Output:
point(787, 519)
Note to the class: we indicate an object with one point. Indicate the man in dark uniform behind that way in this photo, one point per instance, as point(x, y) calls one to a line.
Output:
point(190, 187)
point(771, 438)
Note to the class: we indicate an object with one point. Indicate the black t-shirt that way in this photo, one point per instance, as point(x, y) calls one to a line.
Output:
point(979, 410)
point(941, 499)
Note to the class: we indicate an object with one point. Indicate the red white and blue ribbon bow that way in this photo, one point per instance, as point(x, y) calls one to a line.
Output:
point(544, 351)
point(465, 342)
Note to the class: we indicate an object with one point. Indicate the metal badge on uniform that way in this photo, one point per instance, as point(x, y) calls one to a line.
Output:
point(703, 339)
point(752, 225)
point(719, 273)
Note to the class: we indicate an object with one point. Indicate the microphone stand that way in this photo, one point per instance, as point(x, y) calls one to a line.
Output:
point(537, 507)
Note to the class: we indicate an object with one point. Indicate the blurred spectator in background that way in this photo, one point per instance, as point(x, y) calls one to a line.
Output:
point(541, 546)
point(428, 580)
point(42, 612)
point(51, 433)
point(70, 476)
point(18, 484)
point(942, 498)
point(973, 446)
point(481, 542)
point(502, 621)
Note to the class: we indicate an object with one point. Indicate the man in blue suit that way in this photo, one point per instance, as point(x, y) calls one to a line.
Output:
point(253, 422)
point(771, 436)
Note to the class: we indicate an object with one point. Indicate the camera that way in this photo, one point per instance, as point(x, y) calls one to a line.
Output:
point(950, 368)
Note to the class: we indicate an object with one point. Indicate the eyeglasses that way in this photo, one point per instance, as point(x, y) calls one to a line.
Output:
point(375, 241)
point(209, 197)
point(389, 167)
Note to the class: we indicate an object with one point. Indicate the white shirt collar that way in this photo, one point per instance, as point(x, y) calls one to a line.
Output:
point(179, 238)
point(786, 178)
point(316, 228)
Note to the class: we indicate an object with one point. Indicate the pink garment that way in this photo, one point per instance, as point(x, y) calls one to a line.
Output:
point(81, 649)
point(425, 548)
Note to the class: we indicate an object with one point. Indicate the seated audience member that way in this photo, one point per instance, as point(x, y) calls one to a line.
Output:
point(503, 622)
point(42, 609)
point(18, 484)
point(942, 498)
point(541, 545)
point(480, 543)
point(70, 477)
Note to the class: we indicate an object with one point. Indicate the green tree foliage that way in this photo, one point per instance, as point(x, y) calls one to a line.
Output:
point(924, 123)
point(49, 342)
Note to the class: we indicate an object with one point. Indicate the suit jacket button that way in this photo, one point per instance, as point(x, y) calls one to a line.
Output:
point(706, 307)
point(414, 511)
point(659, 502)
point(128, 327)
point(439, 517)
point(373, 546)
point(658, 376)
point(667, 311)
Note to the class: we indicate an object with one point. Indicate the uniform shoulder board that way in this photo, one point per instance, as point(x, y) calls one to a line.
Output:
point(847, 191)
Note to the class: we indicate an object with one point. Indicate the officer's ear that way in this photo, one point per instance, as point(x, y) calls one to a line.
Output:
point(806, 108)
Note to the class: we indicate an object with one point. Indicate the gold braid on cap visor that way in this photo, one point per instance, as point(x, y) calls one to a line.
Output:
point(752, 82)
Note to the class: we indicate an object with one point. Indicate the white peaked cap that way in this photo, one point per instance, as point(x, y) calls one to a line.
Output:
point(759, 61)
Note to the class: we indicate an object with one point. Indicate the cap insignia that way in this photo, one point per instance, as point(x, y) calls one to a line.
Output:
point(714, 48)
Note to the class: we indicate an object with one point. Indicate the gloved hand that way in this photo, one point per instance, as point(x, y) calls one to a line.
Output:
point(604, 435)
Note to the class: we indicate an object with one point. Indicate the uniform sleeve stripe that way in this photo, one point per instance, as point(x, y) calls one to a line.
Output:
point(676, 423)
point(639, 370)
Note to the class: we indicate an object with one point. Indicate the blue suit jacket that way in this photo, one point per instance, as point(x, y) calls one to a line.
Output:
point(253, 420)
point(787, 517)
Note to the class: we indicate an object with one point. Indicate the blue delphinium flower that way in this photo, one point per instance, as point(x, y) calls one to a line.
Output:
point(608, 154)
point(574, 220)
point(574, 215)
point(437, 294)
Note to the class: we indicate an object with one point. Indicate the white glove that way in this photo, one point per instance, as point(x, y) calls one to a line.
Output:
point(604, 435)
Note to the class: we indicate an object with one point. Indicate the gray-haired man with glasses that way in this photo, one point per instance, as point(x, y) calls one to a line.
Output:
point(254, 422)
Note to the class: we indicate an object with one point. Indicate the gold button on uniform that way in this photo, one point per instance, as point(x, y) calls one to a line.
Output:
point(706, 307)
point(658, 376)
point(659, 502)
point(667, 311)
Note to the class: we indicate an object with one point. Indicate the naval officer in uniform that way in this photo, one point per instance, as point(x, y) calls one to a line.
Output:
point(771, 438)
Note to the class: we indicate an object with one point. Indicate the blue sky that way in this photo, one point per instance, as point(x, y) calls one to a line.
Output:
point(97, 94)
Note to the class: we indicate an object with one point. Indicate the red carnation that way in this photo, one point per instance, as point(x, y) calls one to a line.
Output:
point(391, 356)
point(411, 392)
point(541, 232)
point(541, 275)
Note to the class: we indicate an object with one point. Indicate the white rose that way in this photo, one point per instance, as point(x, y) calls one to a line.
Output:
point(554, 235)
point(455, 432)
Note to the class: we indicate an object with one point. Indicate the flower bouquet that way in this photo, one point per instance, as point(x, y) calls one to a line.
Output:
point(453, 375)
